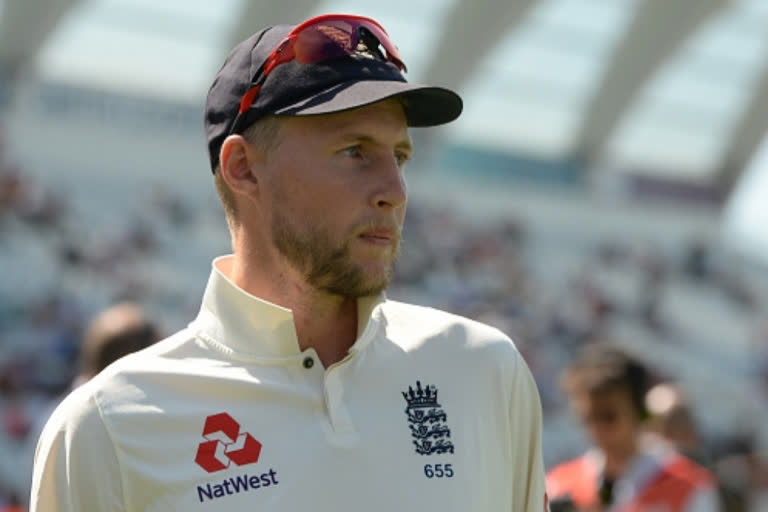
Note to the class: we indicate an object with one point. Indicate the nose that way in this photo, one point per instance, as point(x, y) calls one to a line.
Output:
point(391, 191)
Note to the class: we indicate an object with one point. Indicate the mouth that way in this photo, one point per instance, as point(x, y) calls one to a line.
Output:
point(379, 236)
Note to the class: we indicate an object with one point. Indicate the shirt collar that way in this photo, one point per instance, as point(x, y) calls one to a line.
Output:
point(246, 326)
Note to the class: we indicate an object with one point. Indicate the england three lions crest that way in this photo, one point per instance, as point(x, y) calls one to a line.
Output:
point(427, 420)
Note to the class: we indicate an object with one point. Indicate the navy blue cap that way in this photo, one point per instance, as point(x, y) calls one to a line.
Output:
point(294, 89)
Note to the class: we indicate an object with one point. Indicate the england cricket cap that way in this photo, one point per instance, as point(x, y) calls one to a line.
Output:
point(296, 89)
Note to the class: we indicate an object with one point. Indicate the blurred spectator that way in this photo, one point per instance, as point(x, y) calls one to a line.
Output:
point(41, 208)
point(114, 333)
point(34, 204)
point(626, 469)
point(13, 505)
point(11, 188)
point(178, 213)
point(696, 264)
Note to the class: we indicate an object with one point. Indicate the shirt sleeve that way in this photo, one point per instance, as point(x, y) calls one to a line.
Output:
point(526, 422)
point(76, 467)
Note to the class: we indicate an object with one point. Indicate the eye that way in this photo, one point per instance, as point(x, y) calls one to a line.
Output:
point(353, 151)
point(402, 157)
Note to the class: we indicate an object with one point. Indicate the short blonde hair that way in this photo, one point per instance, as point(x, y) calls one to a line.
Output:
point(264, 134)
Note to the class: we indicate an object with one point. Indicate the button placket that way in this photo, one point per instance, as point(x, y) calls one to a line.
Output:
point(334, 396)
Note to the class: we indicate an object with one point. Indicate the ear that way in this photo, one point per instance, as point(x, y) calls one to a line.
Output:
point(239, 164)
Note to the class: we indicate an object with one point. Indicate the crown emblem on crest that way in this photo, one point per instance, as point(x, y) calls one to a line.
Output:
point(421, 397)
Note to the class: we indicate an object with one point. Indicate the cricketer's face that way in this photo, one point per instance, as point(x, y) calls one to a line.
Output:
point(338, 196)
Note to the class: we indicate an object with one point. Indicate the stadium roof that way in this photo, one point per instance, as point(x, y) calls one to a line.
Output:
point(672, 88)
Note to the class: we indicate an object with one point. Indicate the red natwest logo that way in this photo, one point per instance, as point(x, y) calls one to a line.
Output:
point(225, 443)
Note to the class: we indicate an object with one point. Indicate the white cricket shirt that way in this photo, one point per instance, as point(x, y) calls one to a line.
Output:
point(428, 412)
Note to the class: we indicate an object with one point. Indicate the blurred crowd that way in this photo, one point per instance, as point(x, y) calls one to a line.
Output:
point(692, 315)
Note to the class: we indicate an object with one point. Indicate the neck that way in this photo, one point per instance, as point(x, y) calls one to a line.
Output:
point(617, 461)
point(327, 323)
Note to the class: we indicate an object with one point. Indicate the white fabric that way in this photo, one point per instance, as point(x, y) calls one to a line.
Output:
point(336, 439)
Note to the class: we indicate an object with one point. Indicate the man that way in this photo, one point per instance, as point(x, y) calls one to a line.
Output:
point(627, 471)
point(300, 386)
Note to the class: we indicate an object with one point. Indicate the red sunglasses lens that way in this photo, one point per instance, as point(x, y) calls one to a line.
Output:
point(325, 40)
point(335, 38)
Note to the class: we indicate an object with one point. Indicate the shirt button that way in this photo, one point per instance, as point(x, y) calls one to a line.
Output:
point(308, 362)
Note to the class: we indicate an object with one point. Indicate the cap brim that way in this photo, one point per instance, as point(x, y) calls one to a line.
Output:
point(424, 105)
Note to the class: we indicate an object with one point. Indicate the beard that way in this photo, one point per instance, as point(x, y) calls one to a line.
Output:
point(326, 264)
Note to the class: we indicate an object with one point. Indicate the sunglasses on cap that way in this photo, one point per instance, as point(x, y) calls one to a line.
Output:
point(322, 38)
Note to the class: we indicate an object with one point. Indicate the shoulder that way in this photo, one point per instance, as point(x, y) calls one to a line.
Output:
point(76, 449)
point(683, 483)
point(77, 412)
point(82, 406)
point(572, 469)
point(128, 380)
point(414, 326)
point(574, 478)
point(162, 357)
point(688, 472)
point(179, 345)
point(457, 345)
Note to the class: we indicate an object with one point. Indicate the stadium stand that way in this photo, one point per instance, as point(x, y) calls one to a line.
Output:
point(505, 271)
